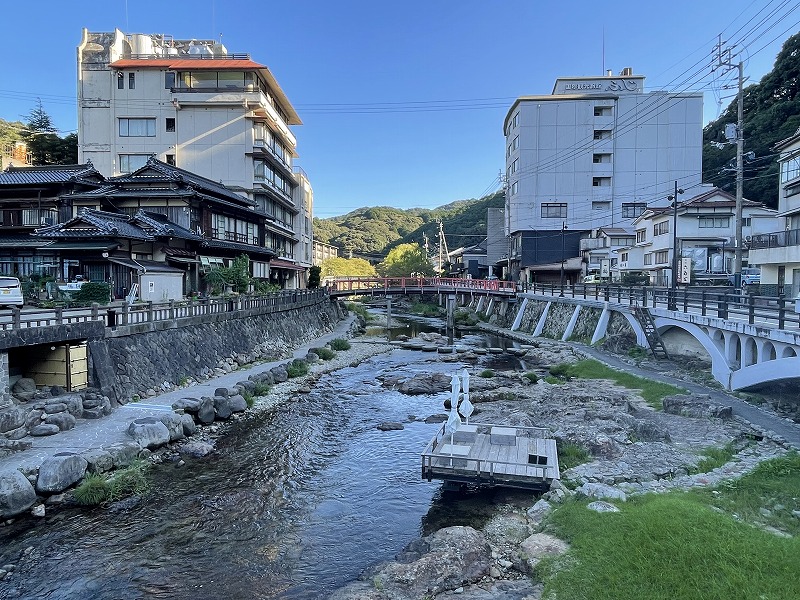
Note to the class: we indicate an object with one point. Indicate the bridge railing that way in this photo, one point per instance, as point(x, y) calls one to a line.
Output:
point(151, 312)
point(376, 284)
point(779, 312)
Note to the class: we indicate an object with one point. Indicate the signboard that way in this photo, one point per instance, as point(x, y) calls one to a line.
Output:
point(685, 271)
point(605, 268)
point(600, 85)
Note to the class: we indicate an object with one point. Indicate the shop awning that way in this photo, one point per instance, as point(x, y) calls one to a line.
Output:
point(144, 266)
point(283, 264)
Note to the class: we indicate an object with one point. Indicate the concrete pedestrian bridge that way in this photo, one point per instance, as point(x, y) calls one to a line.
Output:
point(749, 340)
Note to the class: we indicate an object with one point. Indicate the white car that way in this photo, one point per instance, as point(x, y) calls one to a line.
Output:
point(10, 292)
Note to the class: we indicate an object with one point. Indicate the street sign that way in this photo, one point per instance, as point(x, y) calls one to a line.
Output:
point(685, 271)
point(605, 268)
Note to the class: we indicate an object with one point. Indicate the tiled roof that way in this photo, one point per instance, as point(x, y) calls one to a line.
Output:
point(158, 225)
point(95, 223)
point(46, 174)
point(19, 241)
point(210, 243)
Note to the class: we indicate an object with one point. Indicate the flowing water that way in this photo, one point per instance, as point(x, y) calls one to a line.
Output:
point(295, 504)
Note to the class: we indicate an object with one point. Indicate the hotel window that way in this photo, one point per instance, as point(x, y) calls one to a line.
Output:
point(137, 127)
point(631, 210)
point(169, 124)
point(170, 159)
point(662, 256)
point(603, 111)
point(120, 81)
point(624, 257)
point(169, 80)
point(641, 236)
point(661, 228)
point(602, 134)
point(648, 258)
point(259, 168)
point(601, 205)
point(128, 163)
point(747, 221)
point(515, 143)
point(514, 166)
point(715, 222)
point(516, 120)
point(554, 210)
point(790, 169)
point(601, 181)
point(601, 158)
point(514, 188)
point(131, 81)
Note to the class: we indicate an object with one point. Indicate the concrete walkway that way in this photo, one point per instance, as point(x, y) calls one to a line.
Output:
point(97, 433)
point(788, 430)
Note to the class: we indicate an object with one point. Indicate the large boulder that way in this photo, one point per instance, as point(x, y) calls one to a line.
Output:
point(72, 402)
point(188, 424)
point(124, 453)
point(222, 407)
point(539, 546)
point(12, 418)
point(149, 432)
point(59, 472)
point(446, 560)
point(98, 460)
point(697, 405)
point(279, 374)
point(16, 493)
point(174, 424)
point(24, 389)
point(237, 403)
point(63, 420)
point(428, 383)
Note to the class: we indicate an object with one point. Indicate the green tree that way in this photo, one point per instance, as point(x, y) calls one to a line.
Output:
point(313, 277)
point(405, 259)
point(44, 145)
point(237, 276)
point(347, 267)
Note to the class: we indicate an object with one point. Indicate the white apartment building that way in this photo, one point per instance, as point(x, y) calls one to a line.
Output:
point(594, 153)
point(777, 252)
point(706, 233)
point(194, 105)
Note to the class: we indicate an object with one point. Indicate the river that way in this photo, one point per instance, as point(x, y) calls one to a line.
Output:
point(296, 503)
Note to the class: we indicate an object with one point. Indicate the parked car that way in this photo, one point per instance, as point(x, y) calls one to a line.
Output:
point(750, 276)
point(595, 278)
point(10, 292)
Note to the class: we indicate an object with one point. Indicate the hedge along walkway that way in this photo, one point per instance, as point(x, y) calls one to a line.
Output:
point(786, 430)
point(97, 433)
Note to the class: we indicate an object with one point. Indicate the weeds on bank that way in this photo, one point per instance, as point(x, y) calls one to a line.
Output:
point(571, 455)
point(531, 377)
point(297, 368)
point(767, 495)
point(360, 310)
point(486, 373)
point(324, 353)
point(714, 457)
point(667, 546)
point(96, 489)
point(653, 392)
point(340, 344)
point(426, 309)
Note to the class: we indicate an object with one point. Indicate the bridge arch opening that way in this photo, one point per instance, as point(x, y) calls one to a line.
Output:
point(788, 352)
point(768, 352)
point(750, 354)
point(719, 339)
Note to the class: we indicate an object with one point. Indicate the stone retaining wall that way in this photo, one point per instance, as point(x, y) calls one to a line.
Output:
point(143, 364)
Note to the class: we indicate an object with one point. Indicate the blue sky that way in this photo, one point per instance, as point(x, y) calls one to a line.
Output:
point(403, 102)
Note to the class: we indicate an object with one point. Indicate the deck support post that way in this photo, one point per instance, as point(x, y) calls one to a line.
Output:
point(520, 312)
point(540, 325)
point(388, 317)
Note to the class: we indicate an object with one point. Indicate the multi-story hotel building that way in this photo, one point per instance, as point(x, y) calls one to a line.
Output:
point(196, 106)
point(596, 152)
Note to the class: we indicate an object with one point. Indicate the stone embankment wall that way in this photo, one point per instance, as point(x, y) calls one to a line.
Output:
point(142, 364)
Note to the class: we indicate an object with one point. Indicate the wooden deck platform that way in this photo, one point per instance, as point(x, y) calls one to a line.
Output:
point(492, 455)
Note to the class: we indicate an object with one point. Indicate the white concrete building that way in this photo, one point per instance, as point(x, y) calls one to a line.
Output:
point(594, 153)
point(777, 252)
point(194, 105)
point(706, 233)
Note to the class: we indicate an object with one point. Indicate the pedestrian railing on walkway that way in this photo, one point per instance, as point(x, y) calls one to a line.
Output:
point(151, 312)
point(771, 311)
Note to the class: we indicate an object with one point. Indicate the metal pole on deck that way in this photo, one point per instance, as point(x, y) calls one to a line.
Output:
point(451, 320)
point(388, 318)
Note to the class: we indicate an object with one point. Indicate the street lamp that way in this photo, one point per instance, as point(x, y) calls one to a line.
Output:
point(672, 304)
point(563, 229)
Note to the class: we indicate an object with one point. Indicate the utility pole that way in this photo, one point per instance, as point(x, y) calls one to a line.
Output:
point(563, 229)
point(725, 59)
point(443, 250)
point(507, 209)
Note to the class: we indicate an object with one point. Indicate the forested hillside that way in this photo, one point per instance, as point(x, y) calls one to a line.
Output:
point(771, 113)
point(377, 230)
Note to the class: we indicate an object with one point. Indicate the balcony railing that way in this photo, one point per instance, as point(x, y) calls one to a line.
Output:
point(232, 236)
point(779, 239)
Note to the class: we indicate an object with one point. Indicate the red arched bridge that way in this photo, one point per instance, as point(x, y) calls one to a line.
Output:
point(379, 286)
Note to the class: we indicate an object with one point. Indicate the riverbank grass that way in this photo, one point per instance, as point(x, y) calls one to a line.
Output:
point(688, 545)
point(96, 489)
point(653, 392)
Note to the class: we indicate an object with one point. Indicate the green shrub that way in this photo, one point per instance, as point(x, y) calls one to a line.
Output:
point(486, 373)
point(637, 352)
point(261, 389)
point(131, 481)
point(313, 277)
point(249, 399)
point(465, 317)
point(297, 368)
point(92, 291)
point(93, 490)
point(324, 353)
point(426, 309)
point(531, 377)
point(714, 457)
point(340, 344)
point(562, 371)
point(553, 380)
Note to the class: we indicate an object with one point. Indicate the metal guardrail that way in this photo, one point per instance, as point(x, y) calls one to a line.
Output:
point(771, 311)
point(150, 312)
